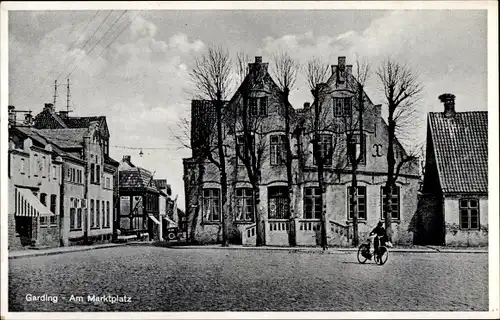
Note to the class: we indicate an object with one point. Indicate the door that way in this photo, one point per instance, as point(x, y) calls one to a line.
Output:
point(85, 224)
point(24, 227)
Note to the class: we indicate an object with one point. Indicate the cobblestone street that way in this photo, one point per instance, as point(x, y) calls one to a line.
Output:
point(161, 279)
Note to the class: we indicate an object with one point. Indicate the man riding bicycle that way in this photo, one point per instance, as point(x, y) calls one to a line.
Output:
point(380, 233)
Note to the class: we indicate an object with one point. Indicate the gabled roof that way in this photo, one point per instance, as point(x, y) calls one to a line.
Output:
point(111, 161)
point(81, 122)
point(137, 178)
point(40, 139)
point(49, 119)
point(65, 138)
point(461, 150)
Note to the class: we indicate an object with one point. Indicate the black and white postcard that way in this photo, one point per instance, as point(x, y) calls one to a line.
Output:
point(249, 159)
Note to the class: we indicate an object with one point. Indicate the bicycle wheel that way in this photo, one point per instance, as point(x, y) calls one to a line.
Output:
point(362, 249)
point(382, 256)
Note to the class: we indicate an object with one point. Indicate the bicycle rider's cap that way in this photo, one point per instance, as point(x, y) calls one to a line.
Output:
point(380, 224)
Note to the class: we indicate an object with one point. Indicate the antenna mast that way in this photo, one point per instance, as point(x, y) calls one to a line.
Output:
point(67, 97)
point(55, 93)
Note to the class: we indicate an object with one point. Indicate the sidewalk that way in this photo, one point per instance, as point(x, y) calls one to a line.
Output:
point(58, 250)
point(333, 250)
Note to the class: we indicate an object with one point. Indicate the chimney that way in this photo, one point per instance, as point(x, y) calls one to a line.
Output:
point(448, 99)
point(348, 69)
point(341, 63)
point(258, 59)
point(63, 114)
point(28, 119)
point(12, 115)
point(49, 107)
point(126, 158)
point(307, 105)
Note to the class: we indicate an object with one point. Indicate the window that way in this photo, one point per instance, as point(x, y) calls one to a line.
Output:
point(98, 174)
point(469, 214)
point(43, 221)
point(22, 166)
point(240, 150)
point(361, 202)
point(278, 150)
point(43, 166)
point(342, 107)
point(252, 105)
point(244, 204)
point(92, 172)
point(54, 172)
point(241, 146)
point(92, 214)
point(258, 106)
point(53, 220)
point(325, 149)
point(43, 198)
point(35, 165)
point(108, 214)
point(211, 204)
point(79, 218)
point(97, 213)
point(79, 176)
point(278, 204)
point(357, 145)
point(104, 215)
point(107, 183)
point(72, 218)
point(263, 106)
point(53, 203)
point(395, 207)
point(312, 203)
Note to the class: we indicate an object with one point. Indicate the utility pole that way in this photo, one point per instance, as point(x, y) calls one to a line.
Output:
point(55, 93)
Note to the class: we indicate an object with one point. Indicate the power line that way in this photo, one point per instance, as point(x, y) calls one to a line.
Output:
point(146, 148)
point(57, 65)
point(109, 29)
point(93, 34)
point(116, 37)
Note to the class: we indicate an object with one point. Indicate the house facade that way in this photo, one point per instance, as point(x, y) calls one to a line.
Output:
point(300, 224)
point(34, 190)
point(453, 207)
point(88, 198)
point(138, 211)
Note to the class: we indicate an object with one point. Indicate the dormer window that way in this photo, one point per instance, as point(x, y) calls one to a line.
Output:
point(342, 107)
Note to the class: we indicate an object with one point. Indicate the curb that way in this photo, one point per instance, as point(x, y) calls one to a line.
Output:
point(329, 250)
point(50, 253)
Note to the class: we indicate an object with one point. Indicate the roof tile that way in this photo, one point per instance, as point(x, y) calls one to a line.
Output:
point(461, 150)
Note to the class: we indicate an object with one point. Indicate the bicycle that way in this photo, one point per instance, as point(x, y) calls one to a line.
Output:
point(380, 256)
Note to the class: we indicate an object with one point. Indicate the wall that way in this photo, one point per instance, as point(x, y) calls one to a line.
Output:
point(372, 174)
point(455, 236)
point(97, 190)
point(74, 189)
point(36, 168)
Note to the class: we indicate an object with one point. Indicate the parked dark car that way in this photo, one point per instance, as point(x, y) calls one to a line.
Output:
point(172, 233)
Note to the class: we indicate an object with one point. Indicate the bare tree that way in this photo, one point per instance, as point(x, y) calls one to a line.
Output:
point(285, 70)
point(402, 91)
point(211, 76)
point(250, 144)
point(353, 127)
point(317, 74)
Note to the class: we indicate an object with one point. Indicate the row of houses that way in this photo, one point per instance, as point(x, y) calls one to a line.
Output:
point(63, 184)
point(448, 207)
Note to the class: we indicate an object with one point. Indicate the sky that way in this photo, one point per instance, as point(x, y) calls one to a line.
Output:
point(139, 79)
